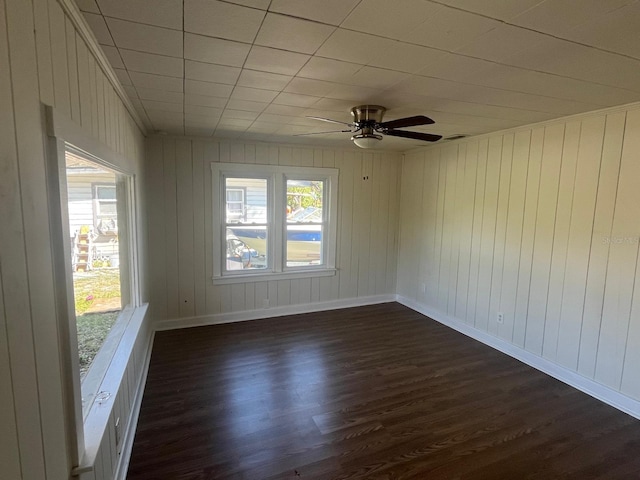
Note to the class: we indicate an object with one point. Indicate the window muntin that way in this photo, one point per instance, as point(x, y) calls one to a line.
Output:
point(288, 224)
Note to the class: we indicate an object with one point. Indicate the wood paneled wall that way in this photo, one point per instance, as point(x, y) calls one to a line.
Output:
point(180, 229)
point(43, 59)
point(541, 224)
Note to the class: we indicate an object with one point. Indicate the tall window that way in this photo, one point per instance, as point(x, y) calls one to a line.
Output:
point(273, 221)
point(97, 212)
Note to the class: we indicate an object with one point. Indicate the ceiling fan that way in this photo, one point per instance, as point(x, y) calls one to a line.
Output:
point(369, 128)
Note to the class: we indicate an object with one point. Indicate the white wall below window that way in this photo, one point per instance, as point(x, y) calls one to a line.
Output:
point(542, 225)
point(181, 232)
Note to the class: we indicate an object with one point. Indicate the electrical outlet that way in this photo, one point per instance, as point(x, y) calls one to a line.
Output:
point(500, 318)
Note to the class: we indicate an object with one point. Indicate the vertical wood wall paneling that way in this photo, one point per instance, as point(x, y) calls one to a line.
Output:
point(171, 228)
point(43, 429)
point(580, 239)
point(364, 221)
point(211, 154)
point(561, 238)
point(154, 183)
point(72, 63)
point(621, 279)
point(326, 287)
point(467, 197)
point(543, 241)
point(84, 88)
point(490, 212)
point(59, 58)
point(185, 225)
point(500, 232)
point(345, 217)
point(457, 228)
point(411, 192)
point(199, 267)
point(450, 156)
point(431, 178)
point(529, 222)
point(393, 228)
point(513, 234)
point(43, 51)
point(600, 242)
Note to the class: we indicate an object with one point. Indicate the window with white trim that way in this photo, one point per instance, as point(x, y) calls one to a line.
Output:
point(272, 221)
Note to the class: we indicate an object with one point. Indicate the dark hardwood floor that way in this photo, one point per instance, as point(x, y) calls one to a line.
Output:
point(376, 392)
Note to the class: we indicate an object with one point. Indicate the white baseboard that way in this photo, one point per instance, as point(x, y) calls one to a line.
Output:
point(130, 432)
point(584, 384)
point(271, 312)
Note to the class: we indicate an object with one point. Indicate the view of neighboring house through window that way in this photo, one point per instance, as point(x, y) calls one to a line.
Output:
point(93, 194)
point(274, 220)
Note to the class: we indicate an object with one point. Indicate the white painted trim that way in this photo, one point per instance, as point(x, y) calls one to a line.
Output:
point(97, 421)
point(265, 277)
point(77, 19)
point(271, 312)
point(571, 378)
point(130, 431)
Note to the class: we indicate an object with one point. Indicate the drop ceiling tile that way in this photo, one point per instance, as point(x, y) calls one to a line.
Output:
point(558, 17)
point(284, 110)
point(194, 119)
point(150, 63)
point(450, 29)
point(329, 70)
point(205, 101)
point(350, 46)
point(263, 80)
point(160, 95)
point(113, 56)
point(405, 58)
point(336, 105)
point(247, 105)
point(123, 76)
point(207, 88)
point(234, 122)
point(308, 86)
point(501, 42)
point(295, 99)
point(264, 127)
point(253, 94)
point(209, 72)
point(222, 20)
point(279, 31)
point(162, 106)
point(275, 119)
point(99, 28)
point(145, 38)
point(355, 94)
point(373, 77)
point(147, 80)
point(131, 91)
point(389, 19)
point(456, 67)
point(203, 111)
point(215, 50)
point(275, 61)
point(198, 131)
point(500, 9)
point(162, 13)
point(332, 12)
point(88, 6)
point(166, 118)
point(260, 4)
point(239, 115)
point(616, 31)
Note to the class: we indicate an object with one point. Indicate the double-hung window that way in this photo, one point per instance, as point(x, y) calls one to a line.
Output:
point(273, 222)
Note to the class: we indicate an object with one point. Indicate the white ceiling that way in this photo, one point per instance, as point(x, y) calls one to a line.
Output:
point(255, 69)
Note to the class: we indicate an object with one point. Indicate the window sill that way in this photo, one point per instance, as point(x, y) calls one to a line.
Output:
point(265, 277)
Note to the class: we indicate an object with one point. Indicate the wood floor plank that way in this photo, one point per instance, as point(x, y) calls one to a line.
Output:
point(364, 393)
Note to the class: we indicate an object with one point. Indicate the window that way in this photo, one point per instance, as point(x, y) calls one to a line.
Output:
point(273, 221)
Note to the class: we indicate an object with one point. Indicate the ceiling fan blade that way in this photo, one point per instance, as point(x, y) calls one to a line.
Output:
point(321, 133)
point(427, 137)
point(407, 122)
point(331, 121)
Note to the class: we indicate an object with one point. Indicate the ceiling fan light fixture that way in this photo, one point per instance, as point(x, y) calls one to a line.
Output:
point(366, 140)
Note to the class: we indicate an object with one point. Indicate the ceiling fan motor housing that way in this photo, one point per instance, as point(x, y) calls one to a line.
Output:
point(367, 115)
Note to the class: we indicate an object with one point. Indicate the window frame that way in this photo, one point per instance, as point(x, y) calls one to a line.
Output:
point(276, 177)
